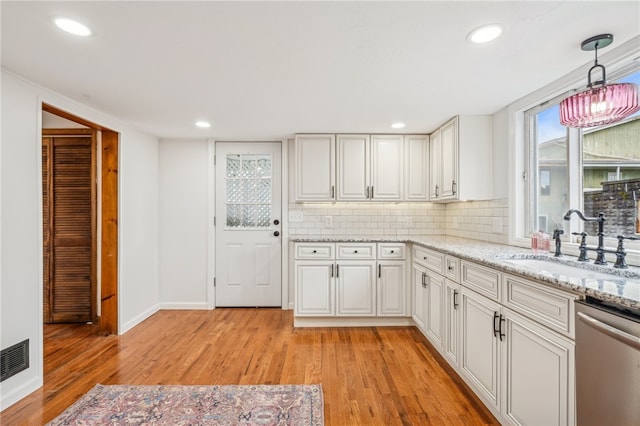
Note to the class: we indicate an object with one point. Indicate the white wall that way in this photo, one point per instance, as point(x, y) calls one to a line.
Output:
point(501, 154)
point(20, 224)
point(184, 166)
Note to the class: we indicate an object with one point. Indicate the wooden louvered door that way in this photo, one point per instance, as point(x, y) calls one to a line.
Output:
point(69, 227)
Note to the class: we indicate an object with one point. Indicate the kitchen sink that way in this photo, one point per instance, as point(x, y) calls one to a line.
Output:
point(555, 267)
point(569, 268)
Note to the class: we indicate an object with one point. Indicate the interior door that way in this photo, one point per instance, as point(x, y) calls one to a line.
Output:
point(248, 224)
point(69, 216)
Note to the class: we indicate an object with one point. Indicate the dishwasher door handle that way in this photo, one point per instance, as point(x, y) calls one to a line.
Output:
point(617, 334)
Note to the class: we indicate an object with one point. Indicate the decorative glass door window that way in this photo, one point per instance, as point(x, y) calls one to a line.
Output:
point(249, 192)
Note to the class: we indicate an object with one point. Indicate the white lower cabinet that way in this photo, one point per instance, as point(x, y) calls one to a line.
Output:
point(315, 288)
point(517, 355)
point(419, 308)
point(537, 373)
point(452, 310)
point(356, 288)
point(480, 346)
point(351, 280)
point(392, 288)
point(434, 308)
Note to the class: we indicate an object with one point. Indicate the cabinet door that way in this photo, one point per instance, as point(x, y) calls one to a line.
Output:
point(416, 186)
point(449, 141)
point(315, 288)
point(356, 288)
point(435, 165)
point(315, 167)
point(434, 315)
point(538, 378)
point(451, 332)
point(353, 167)
point(387, 165)
point(480, 346)
point(418, 310)
point(392, 293)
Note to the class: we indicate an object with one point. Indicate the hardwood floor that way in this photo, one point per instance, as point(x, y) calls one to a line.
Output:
point(370, 375)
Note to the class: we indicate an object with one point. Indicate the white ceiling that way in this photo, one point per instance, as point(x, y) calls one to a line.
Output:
point(263, 70)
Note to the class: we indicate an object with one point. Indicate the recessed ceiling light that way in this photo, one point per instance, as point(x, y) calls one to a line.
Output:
point(397, 125)
point(203, 124)
point(73, 27)
point(485, 33)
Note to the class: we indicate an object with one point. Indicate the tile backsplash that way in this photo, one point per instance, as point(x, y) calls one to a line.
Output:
point(480, 220)
point(362, 219)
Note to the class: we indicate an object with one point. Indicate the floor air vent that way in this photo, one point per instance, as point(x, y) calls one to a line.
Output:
point(14, 359)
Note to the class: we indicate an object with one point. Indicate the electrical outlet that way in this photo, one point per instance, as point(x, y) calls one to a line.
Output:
point(295, 216)
point(328, 221)
point(497, 225)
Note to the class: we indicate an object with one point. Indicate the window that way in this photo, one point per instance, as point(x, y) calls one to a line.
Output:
point(248, 186)
point(593, 170)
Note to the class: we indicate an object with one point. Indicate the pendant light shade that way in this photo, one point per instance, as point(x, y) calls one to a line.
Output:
point(600, 103)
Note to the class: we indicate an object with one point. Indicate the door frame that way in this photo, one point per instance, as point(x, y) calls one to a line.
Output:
point(211, 214)
point(109, 202)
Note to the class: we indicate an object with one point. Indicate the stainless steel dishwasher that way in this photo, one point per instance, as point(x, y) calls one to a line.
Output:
point(607, 365)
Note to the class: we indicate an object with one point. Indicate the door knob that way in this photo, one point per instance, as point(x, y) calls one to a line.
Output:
point(276, 222)
point(276, 233)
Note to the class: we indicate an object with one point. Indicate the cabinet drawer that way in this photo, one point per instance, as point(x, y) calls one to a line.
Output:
point(391, 250)
point(355, 251)
point(549, 307)
point(484, 280)
point(452, 268)
point(430, 259)
point(315, 250)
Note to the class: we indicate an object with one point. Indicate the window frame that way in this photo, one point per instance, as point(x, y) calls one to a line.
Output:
point(620, 62)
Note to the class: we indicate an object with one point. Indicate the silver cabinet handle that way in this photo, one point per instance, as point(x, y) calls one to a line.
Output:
point(371, 193)
point(455, 303)
point(337, 271)
point(454, 187)
point(333, 191)
point(437, 191)
point(379, 271)
point(332, 270)
point(617, 334)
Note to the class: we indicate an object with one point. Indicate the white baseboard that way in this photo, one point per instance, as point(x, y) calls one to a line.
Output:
point(9, 398)
point(138, 319)
point(185, 306)
point(352, 322)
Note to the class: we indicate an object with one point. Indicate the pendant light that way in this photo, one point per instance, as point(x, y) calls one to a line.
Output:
point(600, 103)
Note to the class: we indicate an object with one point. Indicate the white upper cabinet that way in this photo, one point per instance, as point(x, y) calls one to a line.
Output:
point(353, 167)
point(370, 167)
point(361, 167)
point(461, 159)
point(416, 170)
point(387, 164)
point(435, 165)
point(315, 167)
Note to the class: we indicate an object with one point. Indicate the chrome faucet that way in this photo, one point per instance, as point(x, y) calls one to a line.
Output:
point(600, 250)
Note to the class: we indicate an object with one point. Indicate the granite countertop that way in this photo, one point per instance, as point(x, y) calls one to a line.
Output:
point(619, 286)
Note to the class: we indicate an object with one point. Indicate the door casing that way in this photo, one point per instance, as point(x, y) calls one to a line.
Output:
point(108, 240)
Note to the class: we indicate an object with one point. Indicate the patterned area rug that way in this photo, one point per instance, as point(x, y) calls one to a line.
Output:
point(197, 405)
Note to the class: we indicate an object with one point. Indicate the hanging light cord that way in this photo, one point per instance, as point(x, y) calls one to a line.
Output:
point(596, 65)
